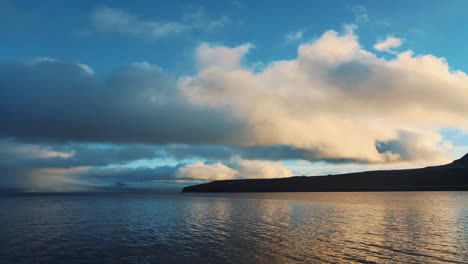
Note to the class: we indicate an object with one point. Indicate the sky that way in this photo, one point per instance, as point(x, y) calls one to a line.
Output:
point(163, 94)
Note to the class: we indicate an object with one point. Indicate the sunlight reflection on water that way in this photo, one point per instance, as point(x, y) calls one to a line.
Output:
point(417, 227)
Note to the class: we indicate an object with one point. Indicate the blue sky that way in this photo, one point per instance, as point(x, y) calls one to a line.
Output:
point(166, 89)
point(62, 29)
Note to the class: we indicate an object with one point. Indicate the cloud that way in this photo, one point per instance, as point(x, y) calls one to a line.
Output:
point(360, 14)
point(414, 146)
point(63, 127)
point(104, 176)
point(52, 100)
point(294, 36)
point(388, 44)
point(226, 153)
point(202, 171)
point(115, 20)
point(198, 19)
point(89, 155)
point(87, 179)
point(337, 99)
point(40, 179)
point(260, 169)
point(223, 57)
point(235, 169)
point(50, 180)
point(76, 167)
point(25, 158)
point(32, 172)
point(10, 149)
point(46, 167)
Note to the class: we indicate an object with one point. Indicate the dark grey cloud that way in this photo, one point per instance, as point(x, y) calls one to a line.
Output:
point(94, 179)
point(28, 157)
point(55, 102)
point(404, 145)
point(20, 154)
point(273, 153)
point(52, 100)
point(85, 155)
point(85, 167)
point(349, 75)
point(78, 167)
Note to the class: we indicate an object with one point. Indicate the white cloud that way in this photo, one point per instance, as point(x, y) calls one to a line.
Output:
point(337, 99)
point(388, 44)
point(115, 20)
point(224, 57)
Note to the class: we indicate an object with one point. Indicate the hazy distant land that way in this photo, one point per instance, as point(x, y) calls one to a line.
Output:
point(450, 177)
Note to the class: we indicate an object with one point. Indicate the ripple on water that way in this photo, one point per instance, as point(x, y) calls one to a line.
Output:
point(422, 227)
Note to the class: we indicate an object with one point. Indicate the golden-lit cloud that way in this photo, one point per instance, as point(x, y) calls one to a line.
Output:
point(237, 169)
point(337, 99)
point(388, 44)
point(202, 171)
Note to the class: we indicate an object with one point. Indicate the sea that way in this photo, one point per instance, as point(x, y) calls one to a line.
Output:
point(354, 227)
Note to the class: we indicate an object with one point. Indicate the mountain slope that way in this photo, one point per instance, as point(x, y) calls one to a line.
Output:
point(450, 177)
point(460, 163)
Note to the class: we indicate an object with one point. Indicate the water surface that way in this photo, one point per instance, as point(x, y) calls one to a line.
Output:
point(406, 227)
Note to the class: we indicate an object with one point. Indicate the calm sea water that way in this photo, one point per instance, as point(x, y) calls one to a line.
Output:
point(418, 227)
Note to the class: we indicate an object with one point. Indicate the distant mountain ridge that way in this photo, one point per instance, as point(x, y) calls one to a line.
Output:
point(449, 177)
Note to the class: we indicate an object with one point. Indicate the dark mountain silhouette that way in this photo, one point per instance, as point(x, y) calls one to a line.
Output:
point(450, 177)
point(460, 163)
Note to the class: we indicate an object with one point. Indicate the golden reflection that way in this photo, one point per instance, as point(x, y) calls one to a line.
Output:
point(344, 227)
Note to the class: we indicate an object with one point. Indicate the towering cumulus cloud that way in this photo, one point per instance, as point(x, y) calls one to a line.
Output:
point(336, 99)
